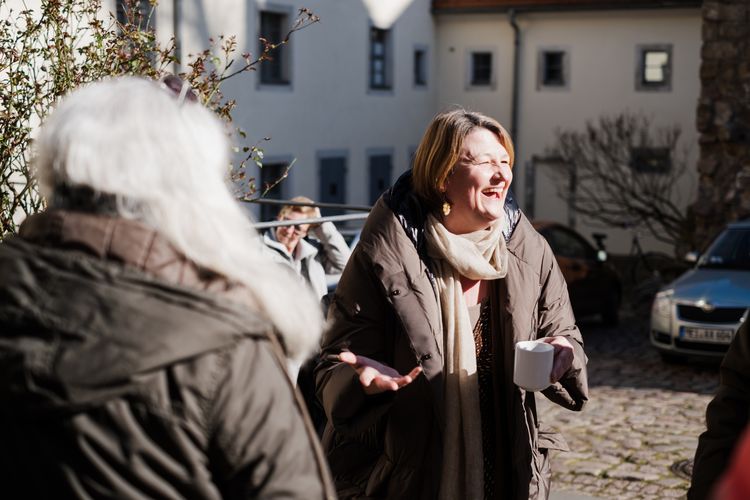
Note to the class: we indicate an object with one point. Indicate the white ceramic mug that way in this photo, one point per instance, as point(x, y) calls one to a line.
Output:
point(533, 365)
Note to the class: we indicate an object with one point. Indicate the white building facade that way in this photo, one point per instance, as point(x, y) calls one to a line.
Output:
point(577, 61)
point(355, 92)
point(342, 100)
point(349, 97)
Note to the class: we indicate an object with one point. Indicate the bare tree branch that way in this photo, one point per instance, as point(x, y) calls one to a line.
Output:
point(627, 172)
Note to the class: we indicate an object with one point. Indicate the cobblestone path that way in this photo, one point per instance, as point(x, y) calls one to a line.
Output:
point(638, 433)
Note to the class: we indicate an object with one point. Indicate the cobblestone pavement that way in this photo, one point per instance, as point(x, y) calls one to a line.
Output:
point(638, 433)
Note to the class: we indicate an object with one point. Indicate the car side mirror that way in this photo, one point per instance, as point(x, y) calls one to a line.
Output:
point(601, 255)
point(692, 257)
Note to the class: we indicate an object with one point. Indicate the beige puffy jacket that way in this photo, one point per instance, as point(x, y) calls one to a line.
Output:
point(386, 308)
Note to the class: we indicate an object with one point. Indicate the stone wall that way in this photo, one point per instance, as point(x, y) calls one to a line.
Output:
point(723, 118)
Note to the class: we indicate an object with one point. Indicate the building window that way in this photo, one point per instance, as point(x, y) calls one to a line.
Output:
point(412, 152)
point(139, 12)
point(481, 69)
point(332, 182)
point(552, 71)
point(654, 71)
point(420, 67)
point(650, 160)
point(271, 187)
point(380, 70)
point(381, 165)
point(275, 70)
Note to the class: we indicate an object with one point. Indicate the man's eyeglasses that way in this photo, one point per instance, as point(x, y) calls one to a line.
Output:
point(297, 228)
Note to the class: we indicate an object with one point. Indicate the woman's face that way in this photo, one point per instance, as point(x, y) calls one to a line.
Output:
point(478, 184)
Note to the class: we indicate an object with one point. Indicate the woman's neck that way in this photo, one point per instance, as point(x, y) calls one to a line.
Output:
point(474, 290)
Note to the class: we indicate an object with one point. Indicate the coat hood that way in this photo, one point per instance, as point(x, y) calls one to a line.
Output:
point(76, 330)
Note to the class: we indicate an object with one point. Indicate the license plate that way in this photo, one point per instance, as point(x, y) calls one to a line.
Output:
point(716, 335)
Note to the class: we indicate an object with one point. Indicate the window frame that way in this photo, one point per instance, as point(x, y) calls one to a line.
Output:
point(332, 154)
point(641, 85)
point(411, 152)
point(284, 161)
point(387, 61)
point(541, 68)
point(641, 168)
point(425, 67)
point(283, 52)
point(370, 153)
point(470, 67)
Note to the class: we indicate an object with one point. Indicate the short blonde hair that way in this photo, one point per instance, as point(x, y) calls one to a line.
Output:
point(307, 211)
point(441, 146)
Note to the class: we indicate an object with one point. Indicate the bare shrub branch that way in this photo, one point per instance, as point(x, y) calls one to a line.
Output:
point(47, 52)
point(626, 173)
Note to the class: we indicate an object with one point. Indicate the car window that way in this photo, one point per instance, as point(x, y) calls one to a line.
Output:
point(566, 244)
point(731, 250)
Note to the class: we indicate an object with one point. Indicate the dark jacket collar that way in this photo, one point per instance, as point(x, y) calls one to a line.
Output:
point(409, 210)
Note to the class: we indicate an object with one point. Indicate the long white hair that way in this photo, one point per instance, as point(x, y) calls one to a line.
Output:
point(166, 160)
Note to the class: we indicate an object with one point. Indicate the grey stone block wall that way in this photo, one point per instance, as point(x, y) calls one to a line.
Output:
point(723, 117)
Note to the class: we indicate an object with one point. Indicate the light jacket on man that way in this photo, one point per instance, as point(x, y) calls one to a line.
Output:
point(314, 259)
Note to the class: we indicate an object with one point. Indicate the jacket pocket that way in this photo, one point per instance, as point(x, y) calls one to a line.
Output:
point(542, 475)
point(551, 440)
point(547, 439)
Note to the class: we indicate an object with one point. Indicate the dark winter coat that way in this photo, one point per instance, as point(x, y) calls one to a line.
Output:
point(727, 416)
point(386, 308)
point(118, 382)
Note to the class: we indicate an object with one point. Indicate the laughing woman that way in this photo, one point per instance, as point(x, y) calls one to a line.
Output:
point(418, 378)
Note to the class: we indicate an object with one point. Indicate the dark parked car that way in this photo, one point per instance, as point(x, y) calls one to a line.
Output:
point(593, 284)
point(700, 312)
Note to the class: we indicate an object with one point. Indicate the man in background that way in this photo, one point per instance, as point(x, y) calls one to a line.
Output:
point(325, 253)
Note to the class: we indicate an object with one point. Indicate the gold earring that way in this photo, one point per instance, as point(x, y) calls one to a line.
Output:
point(446, 208)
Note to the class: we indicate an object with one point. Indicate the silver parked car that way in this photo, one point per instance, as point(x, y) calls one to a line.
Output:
point(699, 313)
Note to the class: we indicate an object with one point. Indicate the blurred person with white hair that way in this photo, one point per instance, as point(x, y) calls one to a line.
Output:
point(143, 331)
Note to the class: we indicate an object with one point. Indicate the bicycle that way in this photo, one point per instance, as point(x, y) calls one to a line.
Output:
point(646, 272)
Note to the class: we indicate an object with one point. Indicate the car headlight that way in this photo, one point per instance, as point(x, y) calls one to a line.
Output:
point(661, 310)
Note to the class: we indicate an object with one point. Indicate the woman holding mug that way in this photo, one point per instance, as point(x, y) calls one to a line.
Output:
point(417, 381)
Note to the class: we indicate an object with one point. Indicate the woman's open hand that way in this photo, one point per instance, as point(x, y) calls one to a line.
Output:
point(376, 377)
point(563, 356)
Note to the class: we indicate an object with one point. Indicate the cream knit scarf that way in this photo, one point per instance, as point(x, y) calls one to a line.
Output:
point(481, 255)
